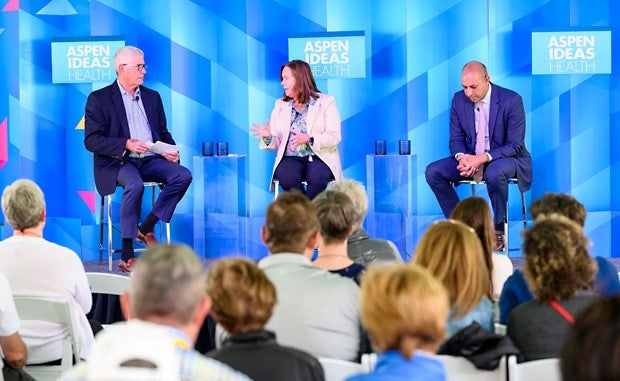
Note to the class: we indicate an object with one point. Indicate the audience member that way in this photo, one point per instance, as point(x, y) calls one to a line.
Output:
point(452, 252)
point(515, 289)
point(34, 266)
point(317, 312)
point(559, 271)
point(13, 350)
point(166, 296)
point(475, 212)
point(335, 212)
point(122, 121)
point(360, 247)
point(243, 299)
point(487, 131)
point(593, 343)
point(404, 308)
point(305, 130)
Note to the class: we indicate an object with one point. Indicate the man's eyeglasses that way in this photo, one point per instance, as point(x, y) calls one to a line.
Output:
point(140, 67)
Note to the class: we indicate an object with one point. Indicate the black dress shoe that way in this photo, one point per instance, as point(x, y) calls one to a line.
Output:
point(126, 266)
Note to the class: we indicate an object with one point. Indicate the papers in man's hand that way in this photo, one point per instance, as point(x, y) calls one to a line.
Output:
point(161, 147)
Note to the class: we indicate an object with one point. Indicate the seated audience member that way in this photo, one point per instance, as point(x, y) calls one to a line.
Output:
point(166, 298)
point(317, 311)
point(243, 299)
point(559, 271)
point(475, 212)
point(34, 266)
point(515, 289)
point(404, 308)
point(360, 247)
point(335, 212)
point(592, 343)
point(452, 252)
point(13, 349)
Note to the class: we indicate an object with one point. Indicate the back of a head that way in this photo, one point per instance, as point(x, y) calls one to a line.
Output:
point(404, 308)
point(452, 252)
point(592, 343)
point(134, 352)
point(242, 296)
point(23, 204)
point(475, 212)
point(357, 193)
point(559, 203)
point(557, 262)
point(336, 215)
point(167, 281)
point(290, 222)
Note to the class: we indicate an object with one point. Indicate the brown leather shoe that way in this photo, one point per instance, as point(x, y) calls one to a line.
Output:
point(126, 266)
point(500, 240)
point(148, 238)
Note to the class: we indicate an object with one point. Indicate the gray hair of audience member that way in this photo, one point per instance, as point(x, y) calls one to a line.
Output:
point(23, 204)
point(124, 54)
point(168, 281)
point(336, 215)
point(357, 193)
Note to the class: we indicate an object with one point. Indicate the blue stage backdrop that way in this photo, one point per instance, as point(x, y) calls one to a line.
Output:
point(216, 65)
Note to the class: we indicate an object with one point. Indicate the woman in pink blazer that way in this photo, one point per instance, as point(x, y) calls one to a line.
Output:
point(304, 128)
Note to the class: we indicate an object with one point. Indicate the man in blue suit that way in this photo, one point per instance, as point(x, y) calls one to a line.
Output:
point(495, 155)
point(122, 122)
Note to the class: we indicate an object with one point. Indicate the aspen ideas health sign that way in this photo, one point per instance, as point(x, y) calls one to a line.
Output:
point(331, 54)
point(571, 52)
point(84, 59)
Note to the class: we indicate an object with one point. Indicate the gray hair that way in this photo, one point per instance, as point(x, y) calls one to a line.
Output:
point(168, 281)
point(336, 214)
point(357, 193)
point(125, 53)
point(23, 204)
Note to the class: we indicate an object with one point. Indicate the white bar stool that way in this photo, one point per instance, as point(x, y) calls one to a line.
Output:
point(106, 202)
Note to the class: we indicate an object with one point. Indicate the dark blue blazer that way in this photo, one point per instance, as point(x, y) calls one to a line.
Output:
point(107, 131)
point(506, 130)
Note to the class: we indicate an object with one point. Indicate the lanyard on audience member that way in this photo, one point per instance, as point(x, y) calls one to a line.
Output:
point(562, 311)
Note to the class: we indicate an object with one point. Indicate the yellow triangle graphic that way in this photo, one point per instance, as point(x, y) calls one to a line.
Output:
point(80, 125)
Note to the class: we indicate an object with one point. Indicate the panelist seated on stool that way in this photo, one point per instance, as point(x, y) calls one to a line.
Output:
point(487, 131)
point(120, 121)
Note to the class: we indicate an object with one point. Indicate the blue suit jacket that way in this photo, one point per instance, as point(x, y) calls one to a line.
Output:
point(506, 130)
point(107, 131)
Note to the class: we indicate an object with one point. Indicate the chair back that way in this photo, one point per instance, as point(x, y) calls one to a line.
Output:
point(460, 369)
point(543, 370)
point(106, 283)
point(54, 311)
point(340, 370)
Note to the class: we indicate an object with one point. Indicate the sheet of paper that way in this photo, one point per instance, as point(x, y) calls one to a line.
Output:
point(161, 147)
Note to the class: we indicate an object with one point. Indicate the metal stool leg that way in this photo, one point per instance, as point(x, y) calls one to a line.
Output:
point(101, 221)
point(276, 188)
point(109, 213)
point(523, 210)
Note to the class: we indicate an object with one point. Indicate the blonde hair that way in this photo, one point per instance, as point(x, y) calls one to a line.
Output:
point(452, 252)
point(242, 296)
point(404, 308)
